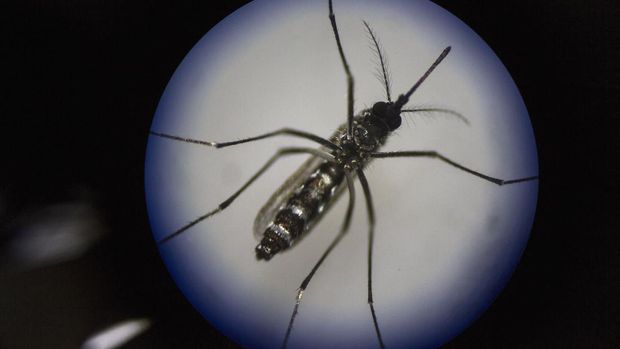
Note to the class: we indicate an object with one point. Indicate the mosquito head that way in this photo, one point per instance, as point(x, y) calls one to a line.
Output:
point(388, 113)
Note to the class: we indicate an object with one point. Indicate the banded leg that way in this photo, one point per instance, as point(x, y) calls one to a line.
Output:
point(343, 230)
point(227, 202)
point(436, 155)
point(371, 239)
point(350, 97)
point(280, 132)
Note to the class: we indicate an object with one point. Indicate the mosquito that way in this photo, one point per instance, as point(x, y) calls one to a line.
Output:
point(307, 195)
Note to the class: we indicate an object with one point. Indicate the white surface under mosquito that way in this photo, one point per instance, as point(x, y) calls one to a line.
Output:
point(445, 240)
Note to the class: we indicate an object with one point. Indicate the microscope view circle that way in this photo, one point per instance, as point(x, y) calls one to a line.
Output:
point(446, 241)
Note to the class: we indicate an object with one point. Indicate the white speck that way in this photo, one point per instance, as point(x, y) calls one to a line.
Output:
point(117, 335)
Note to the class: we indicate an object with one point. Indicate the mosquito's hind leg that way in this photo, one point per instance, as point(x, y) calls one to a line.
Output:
point(283, 131)
point(436, 155)
point(371, 239)
point(350, 97)
point(343, 230)
point(227, 202)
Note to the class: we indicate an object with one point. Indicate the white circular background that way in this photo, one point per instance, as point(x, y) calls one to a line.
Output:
point(446, 241)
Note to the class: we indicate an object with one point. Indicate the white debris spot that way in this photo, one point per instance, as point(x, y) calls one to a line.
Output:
point(117, 334)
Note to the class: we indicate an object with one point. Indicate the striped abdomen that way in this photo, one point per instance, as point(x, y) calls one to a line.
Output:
point(302, 209)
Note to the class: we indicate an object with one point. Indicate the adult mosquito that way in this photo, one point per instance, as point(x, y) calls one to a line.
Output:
point(307, 195)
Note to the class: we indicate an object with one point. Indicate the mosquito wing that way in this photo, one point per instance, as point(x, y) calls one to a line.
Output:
point(278, 200)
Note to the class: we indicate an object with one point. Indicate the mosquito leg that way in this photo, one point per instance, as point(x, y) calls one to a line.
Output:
point(371, 239)
point(282, 131)
point(343, 230)
point(227, 202)
point(350, 96)
point(436, 155)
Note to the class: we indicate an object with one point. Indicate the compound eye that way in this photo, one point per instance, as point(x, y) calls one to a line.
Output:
point(380, 109)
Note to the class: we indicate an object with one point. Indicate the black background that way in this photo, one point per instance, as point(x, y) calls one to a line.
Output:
point(81, 81)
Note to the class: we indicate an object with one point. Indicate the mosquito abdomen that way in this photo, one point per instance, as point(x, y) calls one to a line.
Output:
point(303, 208)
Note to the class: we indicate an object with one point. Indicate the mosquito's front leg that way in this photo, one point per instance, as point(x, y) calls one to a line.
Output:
point(345, 64)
